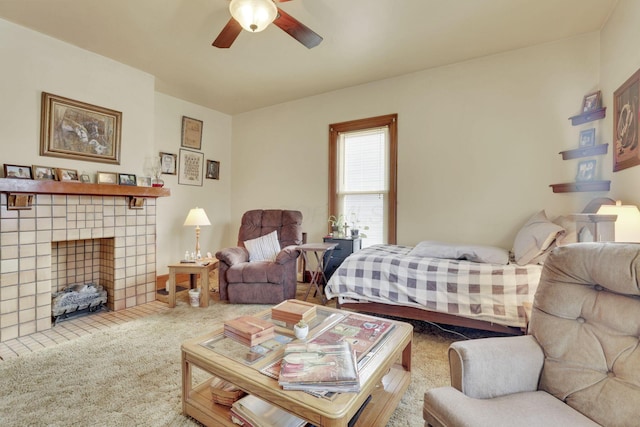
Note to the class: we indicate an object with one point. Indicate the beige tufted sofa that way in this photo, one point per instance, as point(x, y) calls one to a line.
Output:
point(579, 365)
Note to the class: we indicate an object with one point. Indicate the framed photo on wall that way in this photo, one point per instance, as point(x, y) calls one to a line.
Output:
point(213, 169)
point(587, 138)
point(586, 170)
point(626, 152)
point(592, 102)
point(191, 133)
point(76, 130)
point(191, 167)
point(168, 163)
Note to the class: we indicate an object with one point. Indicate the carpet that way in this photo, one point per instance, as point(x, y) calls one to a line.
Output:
point(130, 375)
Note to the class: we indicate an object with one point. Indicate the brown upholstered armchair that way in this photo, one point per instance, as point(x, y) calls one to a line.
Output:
point(262, 282)
point(579, 364)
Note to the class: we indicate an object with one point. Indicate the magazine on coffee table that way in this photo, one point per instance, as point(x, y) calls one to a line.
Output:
point(320, 367)
point(363, 332)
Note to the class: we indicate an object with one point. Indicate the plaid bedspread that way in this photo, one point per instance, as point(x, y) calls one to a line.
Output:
point(387, 274)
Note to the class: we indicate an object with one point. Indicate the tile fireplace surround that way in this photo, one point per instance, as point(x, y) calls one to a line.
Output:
point(28, 238)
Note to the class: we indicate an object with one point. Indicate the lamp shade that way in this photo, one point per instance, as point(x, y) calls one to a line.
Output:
point(253, 15)
point(627, 226)
point(197, 217)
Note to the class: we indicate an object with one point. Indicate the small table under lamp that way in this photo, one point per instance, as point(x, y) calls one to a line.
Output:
point(197, 217)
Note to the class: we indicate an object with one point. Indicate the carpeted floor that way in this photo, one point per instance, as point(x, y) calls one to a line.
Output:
point(130, 375)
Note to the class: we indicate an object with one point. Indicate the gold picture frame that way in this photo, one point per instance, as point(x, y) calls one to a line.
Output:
point(76, 130)
point(107, 178)
point(191, 133)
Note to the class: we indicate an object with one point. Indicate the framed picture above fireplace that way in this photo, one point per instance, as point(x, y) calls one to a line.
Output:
point(76, 130)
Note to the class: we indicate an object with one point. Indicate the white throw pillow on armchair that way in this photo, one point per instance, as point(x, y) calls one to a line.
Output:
point(264, 248)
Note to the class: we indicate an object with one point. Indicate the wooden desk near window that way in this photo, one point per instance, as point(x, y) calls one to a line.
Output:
point(202, 268)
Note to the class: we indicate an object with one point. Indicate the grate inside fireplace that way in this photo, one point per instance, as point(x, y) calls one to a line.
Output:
point(77, 300)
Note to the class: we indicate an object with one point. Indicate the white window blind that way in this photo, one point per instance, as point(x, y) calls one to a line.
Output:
point(363, 181)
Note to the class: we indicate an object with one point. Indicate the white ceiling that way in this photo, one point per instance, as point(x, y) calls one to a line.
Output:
point(364, 40)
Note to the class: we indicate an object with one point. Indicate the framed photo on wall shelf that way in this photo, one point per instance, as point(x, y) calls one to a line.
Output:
point(43, 172)
point(587, 138)
point(107, 178)
point(586, 170)
point(127, 179)
point(626, 152)
point(76, 130)
point(67, 174)
point(213, 169)
point(17, 171)
point(168, 163)
point(191, 133)
point(144, 181)
point(592, 102)
point(191, 166)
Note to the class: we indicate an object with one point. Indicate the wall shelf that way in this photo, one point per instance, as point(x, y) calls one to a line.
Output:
point(588, 117)
point(584, 152)
point(570, 187)
point(10, 185)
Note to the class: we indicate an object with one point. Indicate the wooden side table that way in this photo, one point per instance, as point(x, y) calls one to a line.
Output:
point(319, 250)
point(202, 268)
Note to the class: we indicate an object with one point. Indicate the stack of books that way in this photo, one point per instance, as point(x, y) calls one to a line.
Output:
point(224, 393)
point(251, 411)
point(319, 367)
point(292, 311)
point(249, 330)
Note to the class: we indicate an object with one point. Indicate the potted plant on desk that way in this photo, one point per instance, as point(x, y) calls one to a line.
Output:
point(336, 222)
point(356, 227)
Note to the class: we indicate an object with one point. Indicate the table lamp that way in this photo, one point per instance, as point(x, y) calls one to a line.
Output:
point(197, 217)
point(627, 226)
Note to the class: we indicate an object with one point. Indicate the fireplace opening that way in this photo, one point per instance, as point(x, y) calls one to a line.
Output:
point(82, 276)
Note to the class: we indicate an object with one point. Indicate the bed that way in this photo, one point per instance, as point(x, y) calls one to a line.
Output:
point(459, 285)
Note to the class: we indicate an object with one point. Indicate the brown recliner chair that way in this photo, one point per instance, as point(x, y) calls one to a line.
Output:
point(579, 364)
point(262, 282)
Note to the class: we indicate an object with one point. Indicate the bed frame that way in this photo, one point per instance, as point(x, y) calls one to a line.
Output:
point(405, 312)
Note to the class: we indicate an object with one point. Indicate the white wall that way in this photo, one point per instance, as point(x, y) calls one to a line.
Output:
point(620, 59)
point(151, 122)
point(213, 196)
point(478, 144)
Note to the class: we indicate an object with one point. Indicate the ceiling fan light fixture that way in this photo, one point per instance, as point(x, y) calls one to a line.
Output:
point(253, 15)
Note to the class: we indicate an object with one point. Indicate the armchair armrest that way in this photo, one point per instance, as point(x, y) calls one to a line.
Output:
point(491, 367)
point(288, 253)
point(231, 256)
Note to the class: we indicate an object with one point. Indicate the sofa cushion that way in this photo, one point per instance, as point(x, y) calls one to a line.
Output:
point(446, 406)
point(264, 248)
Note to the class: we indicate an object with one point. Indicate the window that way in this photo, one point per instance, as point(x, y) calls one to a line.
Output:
point(362, 175)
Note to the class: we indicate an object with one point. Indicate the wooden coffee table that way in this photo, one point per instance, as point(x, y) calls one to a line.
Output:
point(385, 377)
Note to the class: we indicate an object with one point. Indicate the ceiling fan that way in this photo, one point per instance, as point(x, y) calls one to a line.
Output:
point(255, 15)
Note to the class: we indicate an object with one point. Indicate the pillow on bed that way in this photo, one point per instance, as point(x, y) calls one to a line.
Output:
point(535, 239)
point(265, 248)
point(475, 253)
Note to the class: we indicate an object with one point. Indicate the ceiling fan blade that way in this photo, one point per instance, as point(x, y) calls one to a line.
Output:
point(297, 30)
point(228, 34)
